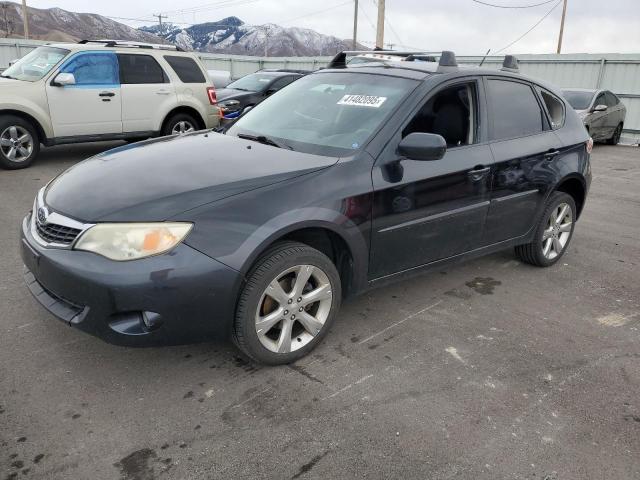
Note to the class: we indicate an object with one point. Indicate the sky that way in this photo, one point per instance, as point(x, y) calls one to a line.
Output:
point(464, 26)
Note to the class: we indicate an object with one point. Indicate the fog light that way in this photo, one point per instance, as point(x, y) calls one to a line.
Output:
point(151, 320)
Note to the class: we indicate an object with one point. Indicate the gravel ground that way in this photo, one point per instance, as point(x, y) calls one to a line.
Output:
point(487, 370)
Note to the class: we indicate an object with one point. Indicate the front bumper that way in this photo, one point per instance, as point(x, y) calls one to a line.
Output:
point(179, 297)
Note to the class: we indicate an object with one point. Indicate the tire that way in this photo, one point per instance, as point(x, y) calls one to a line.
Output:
point(544, 252)
point(282, 265)
point(180, 123)
point(19, 142)
point(615, 138)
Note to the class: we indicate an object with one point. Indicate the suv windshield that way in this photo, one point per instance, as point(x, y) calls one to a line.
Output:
point(326, 113)
point(577, 99)
point(36, 64)
point(256, 82)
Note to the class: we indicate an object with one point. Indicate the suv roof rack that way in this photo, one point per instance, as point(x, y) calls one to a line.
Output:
point(510, 64)
point(131, 44)
point(446, 63)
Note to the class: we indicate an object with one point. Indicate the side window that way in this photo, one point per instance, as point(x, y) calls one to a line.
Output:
point(555, 108)
point(93, 68)
point(611, 99)
point(281, 83)
point(514, 110)
point(140, 69)
point(452, 113)
point(601, 100)
point(186, 68)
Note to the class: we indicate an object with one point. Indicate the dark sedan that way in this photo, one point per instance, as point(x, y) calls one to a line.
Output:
point(601, 111)
point(252, 89)
point(377, 172)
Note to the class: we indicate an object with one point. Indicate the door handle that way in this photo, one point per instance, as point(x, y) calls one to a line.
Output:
point(106, 94)
point(551, 154)
point(163, 92)
point(478, 173)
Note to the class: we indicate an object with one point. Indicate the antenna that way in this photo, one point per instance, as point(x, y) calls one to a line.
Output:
point(484, 58)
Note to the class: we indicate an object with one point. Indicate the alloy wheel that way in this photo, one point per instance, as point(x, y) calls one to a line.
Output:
point(16, 143)
point(557, 232)
point(293, 308)
point(182, 127)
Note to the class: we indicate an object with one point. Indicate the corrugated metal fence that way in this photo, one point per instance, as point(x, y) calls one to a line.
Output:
point(619, 73)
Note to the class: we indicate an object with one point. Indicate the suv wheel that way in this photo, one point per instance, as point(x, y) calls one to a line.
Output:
point(179, 124)
point(615, 138)
point(553, 233)
point(287, 305)
point(19, 143)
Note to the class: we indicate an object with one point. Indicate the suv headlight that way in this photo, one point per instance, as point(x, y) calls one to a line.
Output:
point(131, 241)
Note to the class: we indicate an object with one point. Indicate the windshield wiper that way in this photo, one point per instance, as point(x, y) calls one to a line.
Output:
point(264, 140)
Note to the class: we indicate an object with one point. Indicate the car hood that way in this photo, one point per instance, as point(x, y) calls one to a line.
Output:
point(229, 93)
point(157, 179)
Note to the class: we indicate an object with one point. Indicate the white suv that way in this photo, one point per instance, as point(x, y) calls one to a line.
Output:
point(100, 90)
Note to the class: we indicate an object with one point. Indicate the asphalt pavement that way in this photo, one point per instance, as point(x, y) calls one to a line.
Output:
point(491, 369)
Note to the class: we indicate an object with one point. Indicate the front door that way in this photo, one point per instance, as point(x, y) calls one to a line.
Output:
point(93, 105)
point(425, 211)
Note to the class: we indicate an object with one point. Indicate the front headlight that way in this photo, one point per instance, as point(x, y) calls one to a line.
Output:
point(130, 241)
point(229, 104)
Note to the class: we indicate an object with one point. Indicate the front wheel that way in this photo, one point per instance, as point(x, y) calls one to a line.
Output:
point(287, 305)
point(19, 143)
point(553, 233)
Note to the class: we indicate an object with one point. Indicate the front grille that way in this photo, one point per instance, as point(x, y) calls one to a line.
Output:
point(53, 233)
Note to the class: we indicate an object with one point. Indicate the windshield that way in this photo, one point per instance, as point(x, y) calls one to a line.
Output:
point(577, 99)
point(255, 82)
point(36, 64)
point(326, 113)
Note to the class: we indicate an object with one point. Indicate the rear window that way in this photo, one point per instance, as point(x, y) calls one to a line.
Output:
point(515, 110)
point(140, 69)
point(186, 68)
point(555, 108)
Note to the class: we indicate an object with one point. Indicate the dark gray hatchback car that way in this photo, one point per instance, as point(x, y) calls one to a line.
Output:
point(376, 172)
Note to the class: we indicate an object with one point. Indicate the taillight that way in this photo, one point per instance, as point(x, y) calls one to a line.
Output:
point(211, 93)
point(589, 145)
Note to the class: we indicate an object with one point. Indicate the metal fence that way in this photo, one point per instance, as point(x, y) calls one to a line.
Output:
point(619, 73)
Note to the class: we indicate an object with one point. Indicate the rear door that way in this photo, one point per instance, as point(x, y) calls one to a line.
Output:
point(147, 95)
point(93, 105)
point(524, 147)
point(425, 211)
point(615, 110)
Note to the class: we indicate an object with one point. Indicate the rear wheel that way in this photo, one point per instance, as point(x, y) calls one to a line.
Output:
point(553, 233)
point(179, 124)
point(287, 305)
point(19, 143)
point(615, 138)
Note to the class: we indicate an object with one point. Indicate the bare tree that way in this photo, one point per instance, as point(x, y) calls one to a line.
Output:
point(8, 24)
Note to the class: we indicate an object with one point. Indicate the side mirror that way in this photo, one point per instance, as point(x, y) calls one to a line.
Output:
point(423, 146)
point(600, 108)
point(63, 79)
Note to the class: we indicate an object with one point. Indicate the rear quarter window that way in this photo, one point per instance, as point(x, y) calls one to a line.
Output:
point(555, 108)
point(186, 68)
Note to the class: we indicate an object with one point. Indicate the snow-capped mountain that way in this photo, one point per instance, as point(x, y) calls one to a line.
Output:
point(232, 35)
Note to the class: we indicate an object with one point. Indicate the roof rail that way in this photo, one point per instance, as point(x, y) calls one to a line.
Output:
point(447, 60)
point(510, 64)
point(131, 44)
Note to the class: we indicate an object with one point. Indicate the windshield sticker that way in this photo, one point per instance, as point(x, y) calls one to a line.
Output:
point(362, 100)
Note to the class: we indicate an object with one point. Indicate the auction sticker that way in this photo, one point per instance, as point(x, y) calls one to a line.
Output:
point(362, 100)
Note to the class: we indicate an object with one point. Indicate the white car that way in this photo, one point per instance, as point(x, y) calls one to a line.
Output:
point(100, 90)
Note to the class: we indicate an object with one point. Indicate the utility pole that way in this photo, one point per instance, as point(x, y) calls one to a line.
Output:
point(160, 17)
point(25, 19)
point(564, 14)
point(380, 29)
point(355, 27)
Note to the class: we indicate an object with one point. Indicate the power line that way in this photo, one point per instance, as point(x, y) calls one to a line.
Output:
point(512, 6)
point(531, 29)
